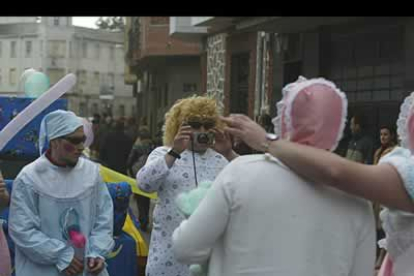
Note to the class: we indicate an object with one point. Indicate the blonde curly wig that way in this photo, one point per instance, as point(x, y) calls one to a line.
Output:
point(201, 107)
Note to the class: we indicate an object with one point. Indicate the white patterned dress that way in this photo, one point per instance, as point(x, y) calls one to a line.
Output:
point(155, 176)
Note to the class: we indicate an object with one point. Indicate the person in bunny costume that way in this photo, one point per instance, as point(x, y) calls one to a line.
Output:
point(390, 183)
point(260, 218)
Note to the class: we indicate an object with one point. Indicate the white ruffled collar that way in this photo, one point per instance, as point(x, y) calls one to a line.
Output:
point(406, 110)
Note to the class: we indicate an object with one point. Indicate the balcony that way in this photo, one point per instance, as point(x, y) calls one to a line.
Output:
point(155, 41)
point(55, 62)
point(215, 23)
point(201, 20)
point(182, 28)
point(106, 92)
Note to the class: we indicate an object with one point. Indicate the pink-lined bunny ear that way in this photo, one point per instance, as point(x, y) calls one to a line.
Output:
point(279, 121)
point(405, 123)
point(312, 112)
point(410, 127)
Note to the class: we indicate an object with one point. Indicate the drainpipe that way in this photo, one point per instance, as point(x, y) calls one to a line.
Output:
point(259, 71)
point(265, 68)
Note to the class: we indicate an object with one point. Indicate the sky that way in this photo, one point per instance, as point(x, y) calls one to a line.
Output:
point(88, 22)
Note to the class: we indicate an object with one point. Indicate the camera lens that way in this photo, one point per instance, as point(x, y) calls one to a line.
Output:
point(203, 138)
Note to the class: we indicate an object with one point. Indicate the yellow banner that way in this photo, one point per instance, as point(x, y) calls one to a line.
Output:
point(129, 227)
point(109, 175)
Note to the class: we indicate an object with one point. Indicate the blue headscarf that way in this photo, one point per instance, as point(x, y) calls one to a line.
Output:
point(57, 124)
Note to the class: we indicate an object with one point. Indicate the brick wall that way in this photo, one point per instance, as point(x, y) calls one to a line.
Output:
point(156, 41)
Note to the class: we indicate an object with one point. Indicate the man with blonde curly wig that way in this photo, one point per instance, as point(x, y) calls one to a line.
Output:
point(189, 156)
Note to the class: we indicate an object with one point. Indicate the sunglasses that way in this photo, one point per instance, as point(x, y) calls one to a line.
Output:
point(75, 140)
point(198, 124)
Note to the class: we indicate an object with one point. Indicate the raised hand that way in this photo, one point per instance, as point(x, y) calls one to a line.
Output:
point(223, 143)
point(246, 129)
point(182, 139)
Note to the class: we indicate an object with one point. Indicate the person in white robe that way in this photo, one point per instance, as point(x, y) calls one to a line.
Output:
point(261, 219)
point(177, 167)
point(57, 194)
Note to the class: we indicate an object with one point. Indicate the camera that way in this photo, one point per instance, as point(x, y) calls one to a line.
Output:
point(204, 137)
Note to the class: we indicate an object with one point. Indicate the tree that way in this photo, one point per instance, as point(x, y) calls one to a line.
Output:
point(115, 23)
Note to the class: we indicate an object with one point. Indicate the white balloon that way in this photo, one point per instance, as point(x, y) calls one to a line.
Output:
point(34, 109)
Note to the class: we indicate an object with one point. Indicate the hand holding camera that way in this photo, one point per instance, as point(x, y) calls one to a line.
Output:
point(182, 139)
point(203, 137)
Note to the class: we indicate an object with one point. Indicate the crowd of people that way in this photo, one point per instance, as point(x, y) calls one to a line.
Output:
point(284, 200)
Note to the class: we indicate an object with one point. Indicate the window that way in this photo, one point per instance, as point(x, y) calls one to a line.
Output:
point(158, 90)
point(83, 110)
point(82, 76)
point(121, 110)
point(294, 51)
point(95, 108)
point(133, 110)
point(13, 49)
point(368, 66)
point(96, 79)
point(111, 52)
point(165, 94)
point(111, 78)
point(55, 75)
point(189, 88)
point(28, 48)
point(41, 48)
point(12, 76)
point(85, 50)
point(70, 49)
point(56, 21)
point(57, 48)
point(97, 50)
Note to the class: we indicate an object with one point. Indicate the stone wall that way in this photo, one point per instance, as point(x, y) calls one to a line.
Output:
point(216, 59)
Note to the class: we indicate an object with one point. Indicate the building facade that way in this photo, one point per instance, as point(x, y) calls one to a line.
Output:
point(369, 58)
point(55, 47)
point(161, 68)
point(236, 64)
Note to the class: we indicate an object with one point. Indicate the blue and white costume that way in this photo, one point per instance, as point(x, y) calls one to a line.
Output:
point(43, 192)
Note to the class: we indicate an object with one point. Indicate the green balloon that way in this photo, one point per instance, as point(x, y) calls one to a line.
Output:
point(36, 84)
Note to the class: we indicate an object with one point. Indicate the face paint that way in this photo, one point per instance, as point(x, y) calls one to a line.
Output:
point(69, 147)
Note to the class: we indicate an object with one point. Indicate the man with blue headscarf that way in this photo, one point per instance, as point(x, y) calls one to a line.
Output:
point(61, 213)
